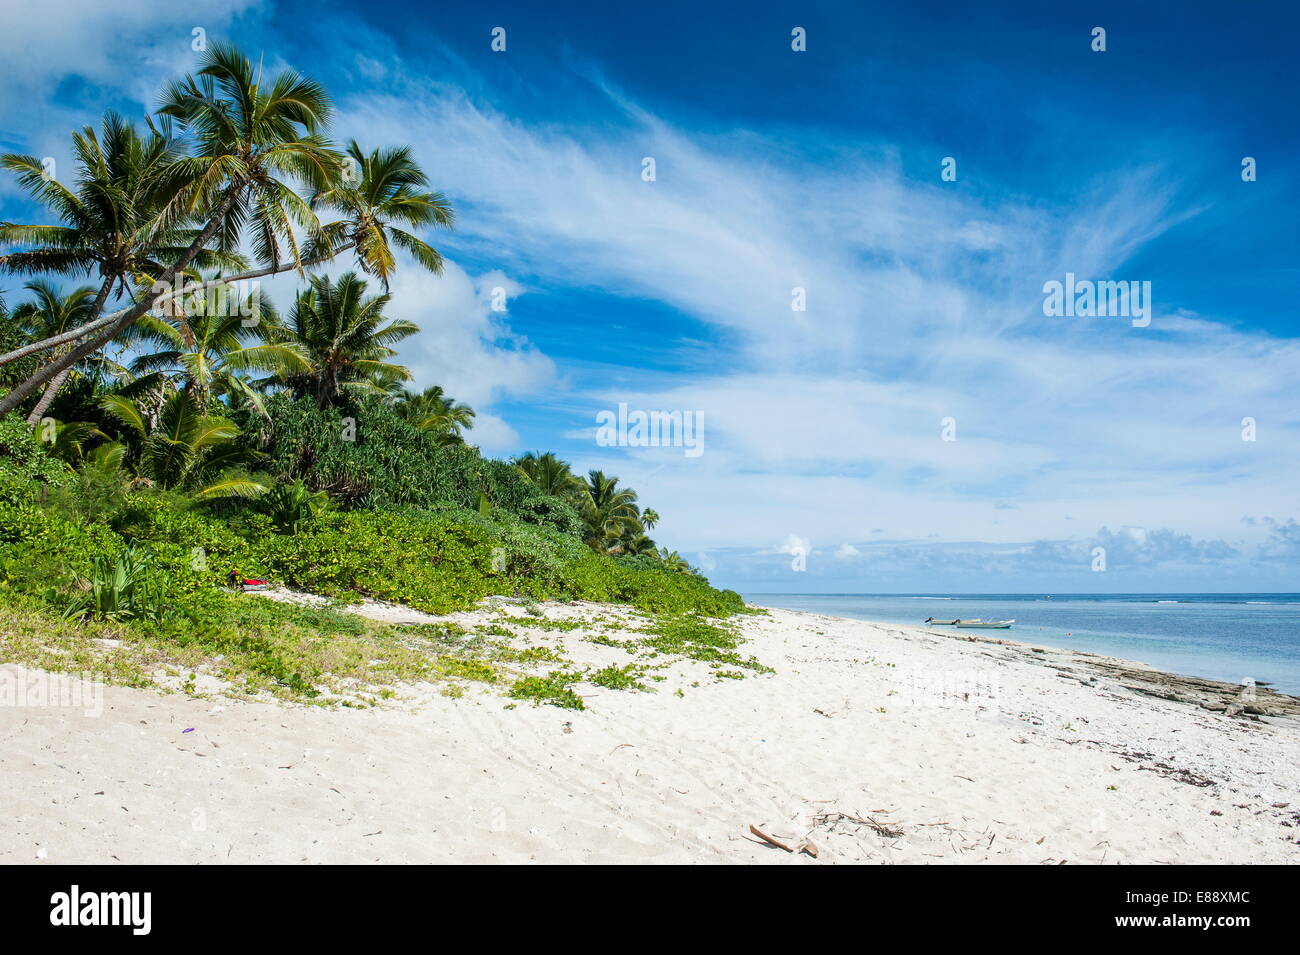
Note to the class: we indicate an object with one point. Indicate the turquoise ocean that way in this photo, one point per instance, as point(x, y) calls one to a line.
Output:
point(1228, 637)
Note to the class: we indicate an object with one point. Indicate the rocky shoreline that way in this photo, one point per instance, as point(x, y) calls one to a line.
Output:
point(1231, 699)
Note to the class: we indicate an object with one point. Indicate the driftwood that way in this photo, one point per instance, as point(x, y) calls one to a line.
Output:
point(768, 839)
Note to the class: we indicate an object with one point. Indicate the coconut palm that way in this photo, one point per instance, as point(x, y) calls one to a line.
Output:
point(649, 518)
point(434, 410)
point(183, 449)
point(116, 228)
point(639, 544)
point(67, 439)
point(373, 191)
point(675, 562)
point(345, 338)
point(550, 475)
point(210, 350)
point(609, 512)
point(252, 139)
point(249, 140)
point(118, 225)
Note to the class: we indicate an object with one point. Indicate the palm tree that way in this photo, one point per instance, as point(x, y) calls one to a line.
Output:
point(116, 227)
point(551, 476)
point(248, 138)
point(436, 411)
point(609, 512)
point(675, 562)
point(66, 440)
point(639, 544)
point(210, 350)
point(342, 335)
point(649, 517)
point(183, 448)
point(374, 190)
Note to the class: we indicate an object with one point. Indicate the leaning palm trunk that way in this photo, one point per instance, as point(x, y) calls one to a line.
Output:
point(98, 324)
point(20, 393)
point(45, 344)
point(51, 389)
point(116, 322)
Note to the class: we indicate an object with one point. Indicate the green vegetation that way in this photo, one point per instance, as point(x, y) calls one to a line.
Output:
point(194, 432)
point(120, 589)
point(699, 639)
point(555, 688)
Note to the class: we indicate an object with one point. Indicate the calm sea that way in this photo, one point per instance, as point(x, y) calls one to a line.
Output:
point(1221, 636)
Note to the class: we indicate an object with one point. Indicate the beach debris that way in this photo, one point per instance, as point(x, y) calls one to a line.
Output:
point(830, 819)
point(1280, 805)
point(809, 848)
point(190, 730)
point(769, 839)
point(1179, 774)
point(567, 727)
point(42, 852)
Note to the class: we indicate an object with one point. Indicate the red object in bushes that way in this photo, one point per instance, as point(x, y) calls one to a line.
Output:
point(245, 583)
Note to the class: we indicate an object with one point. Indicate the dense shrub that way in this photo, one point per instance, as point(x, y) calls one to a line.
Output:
point(417, 532)
point(368, 457)
point(437, 561)
point(24, 463)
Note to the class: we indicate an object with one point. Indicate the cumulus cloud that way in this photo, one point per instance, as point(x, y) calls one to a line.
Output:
point(1283, 543)
point(794, 545)
point(1137, 545)
point(468, 347)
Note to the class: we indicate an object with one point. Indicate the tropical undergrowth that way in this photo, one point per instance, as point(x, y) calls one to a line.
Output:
point(123, 583)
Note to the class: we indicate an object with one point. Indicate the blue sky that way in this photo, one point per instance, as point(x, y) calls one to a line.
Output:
point(820, 170)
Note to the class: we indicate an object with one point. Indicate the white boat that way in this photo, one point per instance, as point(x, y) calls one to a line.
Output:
point(939, 623)
point(984, 624)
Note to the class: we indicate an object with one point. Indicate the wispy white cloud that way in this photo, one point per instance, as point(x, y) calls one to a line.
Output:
point(922, 305)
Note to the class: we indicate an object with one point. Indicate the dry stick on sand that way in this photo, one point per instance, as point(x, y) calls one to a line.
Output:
point(768, 839)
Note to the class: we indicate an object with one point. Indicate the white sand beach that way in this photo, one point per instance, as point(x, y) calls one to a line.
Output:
point(869, 743)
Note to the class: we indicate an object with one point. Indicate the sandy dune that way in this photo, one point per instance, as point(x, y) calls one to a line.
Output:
point(875, 743)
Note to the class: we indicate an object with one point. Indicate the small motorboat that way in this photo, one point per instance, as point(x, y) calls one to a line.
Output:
point(978, 624)
point(939, 623)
